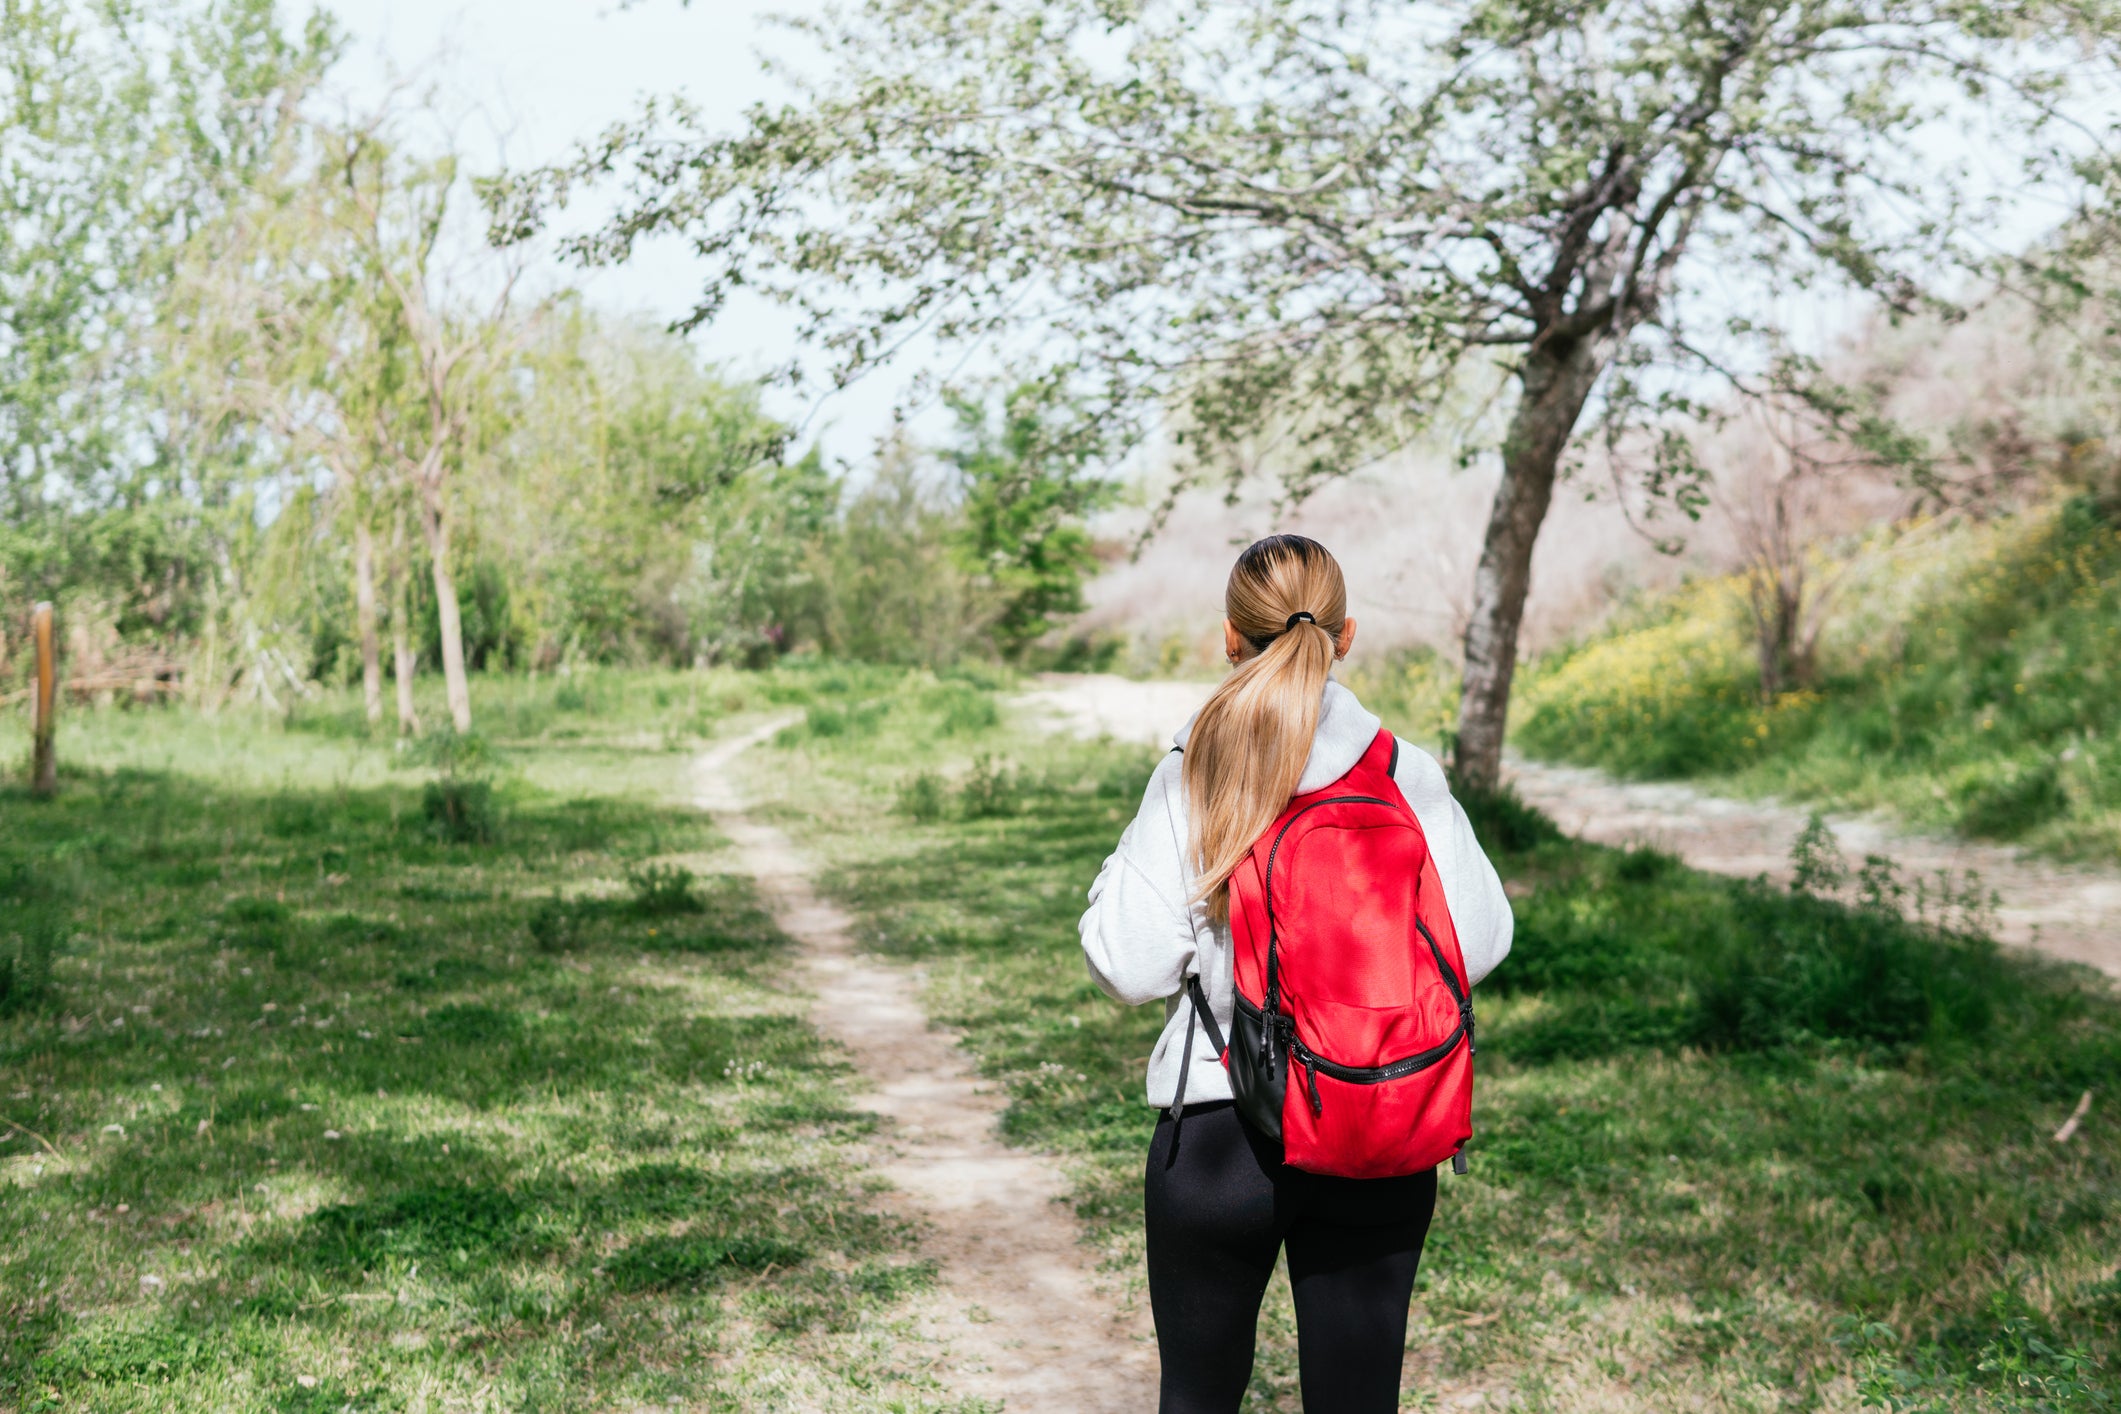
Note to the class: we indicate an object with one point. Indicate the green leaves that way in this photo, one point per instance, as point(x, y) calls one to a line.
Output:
point(1025, 492)
point(128, 128)
point(1287, 229)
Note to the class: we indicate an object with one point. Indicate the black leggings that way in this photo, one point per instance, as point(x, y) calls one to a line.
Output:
point(1219, 1212)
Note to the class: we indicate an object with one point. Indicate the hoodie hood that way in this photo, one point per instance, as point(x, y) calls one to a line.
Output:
point(1345, 730)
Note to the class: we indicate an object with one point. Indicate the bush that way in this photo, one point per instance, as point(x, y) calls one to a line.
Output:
point(991, 791)
point(921, 799)
point(963, 709)
point(1798, 968)
point(1630, 950)
point(461, 810)
point(2014, 801)
point(831, 721)
point(663, 890)
point(1969, 682)
point(1671, 693)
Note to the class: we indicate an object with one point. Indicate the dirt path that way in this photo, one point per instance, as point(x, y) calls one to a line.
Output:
point(2065, 912)
point(1023, 1320)
point(1091, 705)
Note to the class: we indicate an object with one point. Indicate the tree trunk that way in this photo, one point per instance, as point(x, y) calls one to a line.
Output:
point(435, 524)
point(403, 661)
point(365, 612)
point(44, 755)
point(1554, 385)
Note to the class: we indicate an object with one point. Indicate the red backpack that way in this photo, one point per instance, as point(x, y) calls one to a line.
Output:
point(1353, 1040)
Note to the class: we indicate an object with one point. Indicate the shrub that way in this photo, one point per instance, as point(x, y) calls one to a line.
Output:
point(831, 721)
point(990, 791)
point(963, 709)
point(1670, 694)
point(2014, 801)
point(1629, 950)
point(663, 890)
point(921, 799)
point(1795, 967)
point(451, 752)
point(461, 810)
point(1643, 865)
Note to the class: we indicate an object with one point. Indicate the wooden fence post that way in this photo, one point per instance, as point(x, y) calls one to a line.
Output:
point(44, 771)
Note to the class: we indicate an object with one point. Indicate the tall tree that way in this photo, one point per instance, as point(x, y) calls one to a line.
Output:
point(609, 472)
point(459, 325)
point(1312, 230)
point(124, 128)
point(277, 324)
point(1025, 491)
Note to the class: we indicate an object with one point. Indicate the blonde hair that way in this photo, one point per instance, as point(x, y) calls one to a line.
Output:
point(1249, 744)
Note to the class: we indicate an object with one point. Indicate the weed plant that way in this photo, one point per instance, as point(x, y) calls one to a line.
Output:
point(664, 890)
point(1736, 1147)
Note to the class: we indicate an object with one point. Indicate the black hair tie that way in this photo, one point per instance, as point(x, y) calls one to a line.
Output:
point(1298, 617)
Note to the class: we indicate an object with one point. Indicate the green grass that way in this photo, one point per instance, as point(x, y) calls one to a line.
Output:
point(1970, 678)
point(1736, 1149)
point(323, 1108)
point(574, 1147)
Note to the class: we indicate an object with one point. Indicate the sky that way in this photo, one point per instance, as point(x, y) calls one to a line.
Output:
point(532, 77)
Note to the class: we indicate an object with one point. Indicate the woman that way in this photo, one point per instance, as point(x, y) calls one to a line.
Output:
point(1220, 1206)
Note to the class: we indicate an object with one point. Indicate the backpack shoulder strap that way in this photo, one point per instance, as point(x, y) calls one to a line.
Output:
point(1201, 1008)
point(1383, 754)
point(1199, 1013)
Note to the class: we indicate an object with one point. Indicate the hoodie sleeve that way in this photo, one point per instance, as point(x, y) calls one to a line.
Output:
point(1139, 933)
point(1480, 910)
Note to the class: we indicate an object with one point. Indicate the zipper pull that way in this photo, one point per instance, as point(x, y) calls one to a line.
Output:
point(1318, 1107)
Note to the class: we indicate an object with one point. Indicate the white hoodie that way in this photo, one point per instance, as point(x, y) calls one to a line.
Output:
point(1143, 939)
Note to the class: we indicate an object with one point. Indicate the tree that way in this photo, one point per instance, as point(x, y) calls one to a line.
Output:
point(1772, 499)
point(1024, 490)
point(613, 472)
point(458, 327)
point(1304, 232)
point(278, 329)
point(128, 127)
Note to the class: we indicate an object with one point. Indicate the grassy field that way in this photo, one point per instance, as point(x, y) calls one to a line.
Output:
point(1969, 677)
point(320, 1108)
point(1737, 1149)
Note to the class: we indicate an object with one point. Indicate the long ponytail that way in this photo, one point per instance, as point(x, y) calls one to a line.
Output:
point(1248, 746)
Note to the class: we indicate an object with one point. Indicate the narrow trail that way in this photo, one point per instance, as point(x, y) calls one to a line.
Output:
point(2061, 911)
point(1024, 1321)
